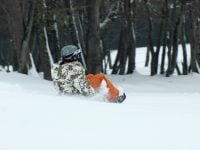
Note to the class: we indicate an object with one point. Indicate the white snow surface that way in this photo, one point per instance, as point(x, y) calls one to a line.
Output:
point(159, 114)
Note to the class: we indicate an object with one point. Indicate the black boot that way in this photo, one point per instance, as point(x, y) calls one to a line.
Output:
point(121, 98)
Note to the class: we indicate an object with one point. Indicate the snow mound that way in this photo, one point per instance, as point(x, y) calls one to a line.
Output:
point(159, 113)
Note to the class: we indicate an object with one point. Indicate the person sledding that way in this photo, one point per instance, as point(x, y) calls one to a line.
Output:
point(69, 77)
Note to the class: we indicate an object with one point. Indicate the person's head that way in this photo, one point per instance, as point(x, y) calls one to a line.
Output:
point(70, 53)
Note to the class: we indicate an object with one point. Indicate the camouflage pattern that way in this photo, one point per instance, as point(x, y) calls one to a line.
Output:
point(70, 78)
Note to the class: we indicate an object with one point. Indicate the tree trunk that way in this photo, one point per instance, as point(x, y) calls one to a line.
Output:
point(160, 35)
point(132, 42)
point(80, 42)
point(172, 41)
point(175, 46)
point(147, 57)
point(193, 38)
point(127, 41)
point(165, 37)
point(24, 56)
point(94, 54)
point(183, 40)
point(150, 41)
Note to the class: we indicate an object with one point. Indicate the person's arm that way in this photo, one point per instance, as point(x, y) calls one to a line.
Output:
point(57, 82)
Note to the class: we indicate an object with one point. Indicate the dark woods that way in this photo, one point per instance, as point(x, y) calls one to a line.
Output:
point(37, 29)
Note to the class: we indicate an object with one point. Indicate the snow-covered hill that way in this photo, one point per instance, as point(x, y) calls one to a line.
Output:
point(159, 114)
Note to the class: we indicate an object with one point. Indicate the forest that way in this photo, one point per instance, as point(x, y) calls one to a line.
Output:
point(32, 32)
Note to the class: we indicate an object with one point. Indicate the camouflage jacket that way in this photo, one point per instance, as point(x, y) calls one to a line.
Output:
point(70, 78)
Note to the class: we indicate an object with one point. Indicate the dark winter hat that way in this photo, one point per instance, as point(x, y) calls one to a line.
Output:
point(70, 52)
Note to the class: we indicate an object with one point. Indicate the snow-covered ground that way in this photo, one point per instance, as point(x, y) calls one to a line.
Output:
point(159, 114)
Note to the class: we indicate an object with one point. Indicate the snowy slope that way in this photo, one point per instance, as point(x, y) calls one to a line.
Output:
point(159, 114)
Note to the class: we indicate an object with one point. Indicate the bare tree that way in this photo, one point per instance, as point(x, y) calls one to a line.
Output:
point(127, 40)
point(150, 41)
point(43, 27)
point(94, 53)
point(194, 35)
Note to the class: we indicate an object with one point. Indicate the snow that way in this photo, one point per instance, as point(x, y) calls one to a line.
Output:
point(47, 46)
point(44, 4)
point(33, 71)
point(159, 114)
point(104, 23)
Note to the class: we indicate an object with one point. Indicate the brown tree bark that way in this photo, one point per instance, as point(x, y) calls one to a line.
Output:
point(25, 48)
point(150, 41)
point(183, 38)
point(127, 41)
point(194, 36)
point(165, 36)
point(94, 54)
